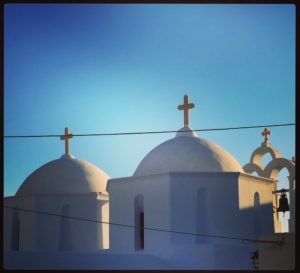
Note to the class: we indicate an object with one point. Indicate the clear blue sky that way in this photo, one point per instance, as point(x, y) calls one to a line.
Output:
point(103, 68)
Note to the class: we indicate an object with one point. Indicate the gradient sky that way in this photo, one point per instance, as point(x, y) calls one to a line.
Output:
point(104, 68)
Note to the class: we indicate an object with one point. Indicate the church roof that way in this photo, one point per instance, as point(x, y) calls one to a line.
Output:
point(187, 153)
point(65, 175)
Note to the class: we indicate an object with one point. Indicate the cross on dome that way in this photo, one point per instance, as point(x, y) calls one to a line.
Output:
point(266, 133)
point(185, 107)
point(66, 138)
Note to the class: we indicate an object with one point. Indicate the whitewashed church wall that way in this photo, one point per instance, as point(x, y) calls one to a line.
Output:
point(26, 237)
point(8, 222)
point(84, 233)
point(248, 187)
point(155, 192)
point(224, 210)
point(103, 228)
point(203, 204)
point(50, 227)
point(44, 232)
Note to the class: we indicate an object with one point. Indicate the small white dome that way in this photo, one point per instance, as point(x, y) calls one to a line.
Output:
point(65, 175)
point(187, 153)
point(186, 131)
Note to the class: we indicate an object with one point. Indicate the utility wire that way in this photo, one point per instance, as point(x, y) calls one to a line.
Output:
point(157, 132)
point(244, 240)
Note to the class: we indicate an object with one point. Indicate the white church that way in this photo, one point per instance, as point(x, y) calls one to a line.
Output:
point(188, 205)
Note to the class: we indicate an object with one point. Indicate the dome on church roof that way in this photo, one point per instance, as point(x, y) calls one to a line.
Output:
point(65, 175)
point(187, 153)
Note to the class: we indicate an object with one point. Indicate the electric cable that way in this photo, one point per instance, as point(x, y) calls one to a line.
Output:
point(148, 228)
point(154, 132)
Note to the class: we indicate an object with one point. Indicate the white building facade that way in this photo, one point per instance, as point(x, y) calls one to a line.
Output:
point(189, 205)
point(187, 198)
point(41, 216)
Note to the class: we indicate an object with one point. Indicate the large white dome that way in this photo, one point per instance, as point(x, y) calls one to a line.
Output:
point(187, 153)
point(65, 175)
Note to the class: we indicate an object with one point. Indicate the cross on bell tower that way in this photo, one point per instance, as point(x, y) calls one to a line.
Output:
point(66, 138)
point(266, 133)
point(185, 107)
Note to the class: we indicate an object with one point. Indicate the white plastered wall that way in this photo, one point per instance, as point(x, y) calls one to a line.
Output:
point(42, 231)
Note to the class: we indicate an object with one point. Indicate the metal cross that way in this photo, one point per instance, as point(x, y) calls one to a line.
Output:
point(266, 133)
point(66, 138)
point(185, 107)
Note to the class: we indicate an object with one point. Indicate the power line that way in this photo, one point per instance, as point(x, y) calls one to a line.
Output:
point(157, 132)
point(148, 228)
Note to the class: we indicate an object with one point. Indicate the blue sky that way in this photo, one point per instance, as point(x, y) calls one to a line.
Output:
point(103, 68)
